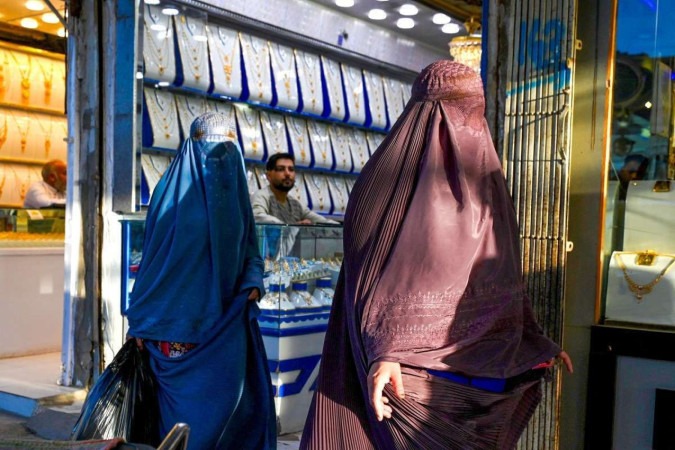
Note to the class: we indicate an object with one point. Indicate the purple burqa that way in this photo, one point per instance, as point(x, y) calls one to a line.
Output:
point(431, 279)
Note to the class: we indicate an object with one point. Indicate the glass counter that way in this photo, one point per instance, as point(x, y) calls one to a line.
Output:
point(32, 227)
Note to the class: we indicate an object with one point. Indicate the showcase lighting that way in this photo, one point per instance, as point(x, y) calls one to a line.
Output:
point(405, 23)
point(34, 5)
point(450, 28)
point(171, 11)
point(151, 2)
point(440, 19)
point(29, 22)
point(50, 18)
point(377, 14)
point(344, 3)
point(408, 10)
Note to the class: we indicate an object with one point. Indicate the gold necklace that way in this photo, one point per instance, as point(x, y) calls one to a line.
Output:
point(228, 59)
point(23, 133)
point(2, 183)
point(335, 186)
point(276, 131)
point(395, 94)
point(193, 51)
point(20, 184)
point(284, 65)
point(189, 112)
point(299, 130)
point(5, 62)
point(320, 140)
point(162, 113)
point(338, 137)
point(259, 56)
point(358, 146)
point(253, 131)
point(25, 71)
point(47, 133)
point(355, 85)
point(309, 62)
point(160, 51)
point(47, 78)
point(334, 86)
point(318, 190)
point(640, 290)
point(375, 98)
point(3, 133)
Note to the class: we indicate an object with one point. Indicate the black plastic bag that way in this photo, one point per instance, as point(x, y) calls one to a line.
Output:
point(122, 402)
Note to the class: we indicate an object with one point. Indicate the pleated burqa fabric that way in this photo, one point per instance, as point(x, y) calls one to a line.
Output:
point(431, 279)
point(200, 262)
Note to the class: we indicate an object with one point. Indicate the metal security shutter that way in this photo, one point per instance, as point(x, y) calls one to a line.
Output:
point(530, 53)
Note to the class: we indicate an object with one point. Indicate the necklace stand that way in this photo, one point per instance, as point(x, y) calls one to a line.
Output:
point(340, 142)
point(274, 133)
point(256, 53)
point(310, 81)
point(153, 167)
point(349, 182)
point(319, 195)
point(639, 293)
point(373, 140)
point(250, 132)
point(358, 147)
point(377, 112)
point(339, 194)
point(394, 95)
point(189, 108)
point(334, 90)
point(225, 57)
point(193, 52)
point(321, 146)
point(252, 181)
point(158, 50)
point(285, 76)
point(163, 116)
point(299, 191)
point(355, 95)
point(299, 140)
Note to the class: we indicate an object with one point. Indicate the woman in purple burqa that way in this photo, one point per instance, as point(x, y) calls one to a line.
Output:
point(431, 328)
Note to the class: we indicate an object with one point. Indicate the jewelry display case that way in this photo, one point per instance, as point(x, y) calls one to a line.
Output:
point(302, 264)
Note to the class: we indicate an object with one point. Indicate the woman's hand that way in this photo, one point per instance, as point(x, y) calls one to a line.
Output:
point(565, 358)
point(379, 375)
point(254, 295)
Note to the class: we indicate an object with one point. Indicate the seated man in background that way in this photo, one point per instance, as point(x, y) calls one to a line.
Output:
point(51, 191)
point(272, 204)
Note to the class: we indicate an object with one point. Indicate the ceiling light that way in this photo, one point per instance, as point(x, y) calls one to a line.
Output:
point(171, 11)
point(377, 14)
point(405, 23)
point(440, 19)
point(50, 18)
point(408, 10)
point(344, 3)
point(157, 27)
point(29, 22)
point(450, 28)
point(61, 32)
point(382, 0)
point(35, 5)
point(151, 2)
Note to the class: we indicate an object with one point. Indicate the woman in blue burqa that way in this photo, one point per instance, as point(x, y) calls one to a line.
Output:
point(193, 306)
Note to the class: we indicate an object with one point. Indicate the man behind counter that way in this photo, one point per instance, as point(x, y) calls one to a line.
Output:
point(273, 205)
point(51, 191)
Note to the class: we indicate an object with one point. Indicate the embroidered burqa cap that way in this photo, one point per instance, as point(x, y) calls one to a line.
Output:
point(431, 276)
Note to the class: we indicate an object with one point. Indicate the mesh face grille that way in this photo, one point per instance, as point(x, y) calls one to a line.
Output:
point(212, 127)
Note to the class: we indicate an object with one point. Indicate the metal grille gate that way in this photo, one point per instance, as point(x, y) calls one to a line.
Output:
point(532, 67)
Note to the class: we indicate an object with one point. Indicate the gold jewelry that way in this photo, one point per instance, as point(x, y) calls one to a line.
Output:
point(47, 133)
point(25, 71)
point(257, 60)
point(275, 132)
point(5, 62)
point(188, 112)
point(228, 57)
point(334, 85)
point(2, 183)
point(354, 84)
point(375, 98)
point(3, 133)
point(251, 131)
point(320, 141)
point(640, 290)
point(337, 186)
point(20, 184)
point(162, 111)
point(159, 51)
point(193, 52)
point(394, 95)
point(47, 78)
point(310, 78)
point(298, 132)
point(283, 65)
point(320, 185)
point(339, 138)
point(358, 147)
point(23, 133)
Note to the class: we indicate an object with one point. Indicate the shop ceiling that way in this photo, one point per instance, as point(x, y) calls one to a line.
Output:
point(33, 15)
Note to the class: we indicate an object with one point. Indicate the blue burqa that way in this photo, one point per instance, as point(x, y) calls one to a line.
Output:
point(200, 262)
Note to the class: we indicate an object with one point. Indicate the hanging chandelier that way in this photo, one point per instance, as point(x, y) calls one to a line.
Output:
point(467, 49)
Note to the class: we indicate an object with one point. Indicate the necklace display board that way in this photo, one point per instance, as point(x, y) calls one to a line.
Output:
point(322, 153)
point(250, 132)
point(274, 133)
point(257, 68)
point(285, 77)
point(163, 130)
point(189, 108)
point(339, 193)
point(354, 94)
point(299, 191)
point(374, 140)
point(377, 111)
point(319, 193)
point(641, 288)
point(193, 52)
point(393, 92)
point(15, 179)
point(349, 182)
point(154, 167)
point(334, 97)
point(227, 110)
point(252, 181)
point(358, 147)
point(310, 82)
point(406, 92)
point(298, 137)
point(225, 57)
point(650, 216)
point(159, 54)
point(260, 175)
point(339, 138)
